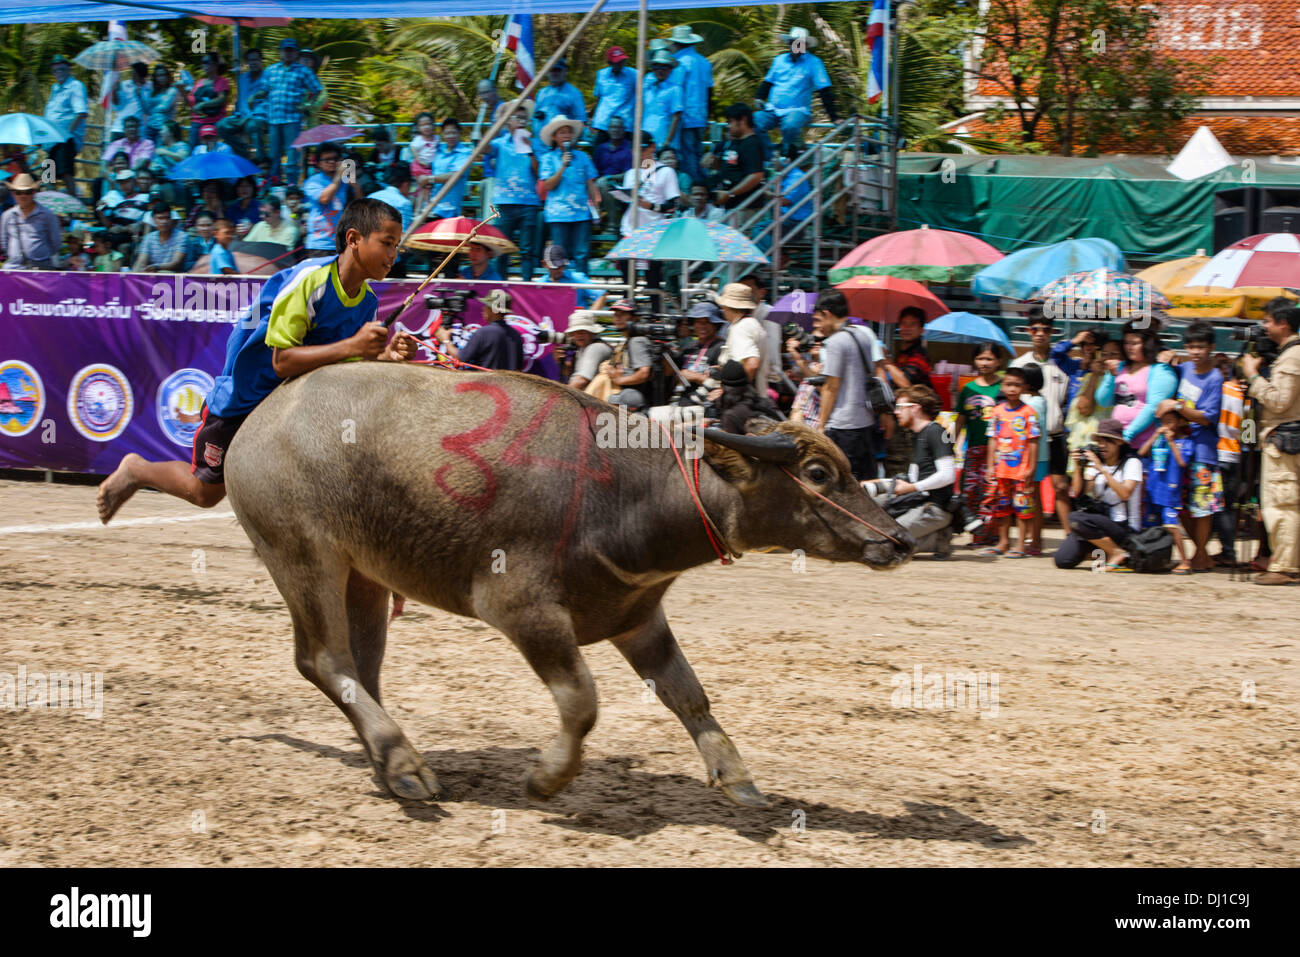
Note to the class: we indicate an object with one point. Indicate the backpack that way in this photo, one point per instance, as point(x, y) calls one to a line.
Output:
point(1151, 550)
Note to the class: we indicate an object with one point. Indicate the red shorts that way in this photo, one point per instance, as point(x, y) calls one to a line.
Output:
point(1008, 497)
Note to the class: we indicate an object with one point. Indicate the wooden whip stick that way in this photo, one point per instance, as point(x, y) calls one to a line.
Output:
point(439, 268)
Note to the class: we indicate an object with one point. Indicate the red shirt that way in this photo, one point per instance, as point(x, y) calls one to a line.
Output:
point(220, 85)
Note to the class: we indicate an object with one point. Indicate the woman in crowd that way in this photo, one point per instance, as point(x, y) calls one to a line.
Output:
point(170, 150)
point(243, 211)
point(210, 201)
point(209, 97)
point(1085, 413)
point(668, 156)
point(569, 178)
point(424, 147)
point(976, 396)
point(1107, 519)
point(1138, 384)
point(161, 97)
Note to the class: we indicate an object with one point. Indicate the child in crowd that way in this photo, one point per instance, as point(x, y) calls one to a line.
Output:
point(222, 262)
point(1200, 395)
point(107, 259)
point(1085, 414)
point(77, 259)
point(1232, 410)
point(1171, 451)
point(313, 314)
point(974, 403)
point(1014, 431)
point(1033, 546)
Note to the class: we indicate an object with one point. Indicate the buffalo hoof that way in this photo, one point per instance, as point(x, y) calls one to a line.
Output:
point(421, 784)
point(745, 795)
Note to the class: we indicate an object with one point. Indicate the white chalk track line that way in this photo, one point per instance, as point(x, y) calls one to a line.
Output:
point(85, 526)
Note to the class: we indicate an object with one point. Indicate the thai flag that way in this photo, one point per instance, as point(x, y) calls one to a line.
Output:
point(876, 27)
point(519, 40)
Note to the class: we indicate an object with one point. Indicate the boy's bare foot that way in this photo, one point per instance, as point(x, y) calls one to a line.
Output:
point(117, 488)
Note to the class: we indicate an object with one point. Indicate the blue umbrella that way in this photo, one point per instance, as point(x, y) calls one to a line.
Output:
point(28, 129)
point(213, 166)
point(966, 327)
point(1023, 273)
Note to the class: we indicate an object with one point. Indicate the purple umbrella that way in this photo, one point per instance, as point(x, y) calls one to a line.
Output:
point(797, 307)
point(327, 133)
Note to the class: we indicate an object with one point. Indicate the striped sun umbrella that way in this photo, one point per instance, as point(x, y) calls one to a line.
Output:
point(1173, 278)
point(116, 55)
point(1100, 293)
point(925, 254)
point(1266, 259)
point(687, 239)
point(447, 234)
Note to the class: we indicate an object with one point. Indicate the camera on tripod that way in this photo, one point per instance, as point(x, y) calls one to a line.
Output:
point(664, 332)
point(450, 301)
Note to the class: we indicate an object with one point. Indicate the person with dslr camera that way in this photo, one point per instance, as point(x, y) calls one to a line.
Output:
point(700, 355)
point(496, 344)
point(1275, 390)
point(630, 367)
point(583, 333)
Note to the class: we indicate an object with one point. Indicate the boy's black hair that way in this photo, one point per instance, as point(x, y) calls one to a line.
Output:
point(1032, 373)
point(399, 174)
point(915, 311)
point(158, 206)
point(833, 301)
point(216, 223)
point(1290, 315)
point(1198, 331)
point(1017, 372)
point(1035, 316)
point(449, 121)
point(294, 191)
point(205, 212)
point(740, 111)
point(366, 216)
point(326, 148)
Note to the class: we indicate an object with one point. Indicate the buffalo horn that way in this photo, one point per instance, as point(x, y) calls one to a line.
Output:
point(773, 447)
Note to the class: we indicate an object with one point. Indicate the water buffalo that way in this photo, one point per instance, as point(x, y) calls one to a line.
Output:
point(361, 480)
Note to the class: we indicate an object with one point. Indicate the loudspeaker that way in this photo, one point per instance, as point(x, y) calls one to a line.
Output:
point(1235, 215)
point(1279, 210)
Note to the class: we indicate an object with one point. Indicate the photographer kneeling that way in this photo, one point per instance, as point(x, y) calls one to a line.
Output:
point(630, 367)
point(924, 503)
point(1111, 513)
point(583, 332)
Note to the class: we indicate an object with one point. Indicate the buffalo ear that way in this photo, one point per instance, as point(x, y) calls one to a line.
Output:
point(735, 467)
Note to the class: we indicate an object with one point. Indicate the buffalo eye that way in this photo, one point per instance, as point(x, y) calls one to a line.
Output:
point(818, 474)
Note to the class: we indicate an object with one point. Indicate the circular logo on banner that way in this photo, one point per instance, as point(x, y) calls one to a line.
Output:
point(100, 402)
point(22, 398)
point(180, 402)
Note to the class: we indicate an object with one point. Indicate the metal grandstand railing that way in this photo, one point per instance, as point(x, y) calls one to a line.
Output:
point(852, 161)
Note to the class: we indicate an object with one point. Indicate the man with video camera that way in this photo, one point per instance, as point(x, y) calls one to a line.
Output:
point(496, 344)
point(1275, 386)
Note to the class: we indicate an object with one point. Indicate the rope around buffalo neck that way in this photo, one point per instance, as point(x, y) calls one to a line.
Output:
point(710, 529)
point(861, 521)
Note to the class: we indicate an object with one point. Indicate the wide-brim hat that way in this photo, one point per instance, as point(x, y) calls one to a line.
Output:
point(662, 58)
point(22, 181)
point(684, 34)
point(1110, 429)
point(799, 33)
point(548, 131)
point(507, 107)
point(583, 321)
point(656, 44)
point(736, 295)
point(706, 310)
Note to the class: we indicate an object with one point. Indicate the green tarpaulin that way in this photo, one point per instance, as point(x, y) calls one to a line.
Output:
point(1012, 202)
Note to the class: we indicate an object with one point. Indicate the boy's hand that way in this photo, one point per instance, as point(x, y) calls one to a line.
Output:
point(402, 348)
point(370, 340)
point(1112, 366)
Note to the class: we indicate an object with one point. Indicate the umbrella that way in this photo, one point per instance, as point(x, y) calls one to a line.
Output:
point(794, 307)
point(1100, 294)
point(28, 129)
point(213, 166)
point(327, 133)
point(1265, 259)
point(1021, 274)
point(61, 203)
point(447, 234)
point(1206, 302)
point(884, 297)
point(925, 254)
point(687, 239)
point(115, 55)
point(966, 327)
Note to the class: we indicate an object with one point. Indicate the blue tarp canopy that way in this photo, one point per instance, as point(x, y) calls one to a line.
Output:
point(70, 11)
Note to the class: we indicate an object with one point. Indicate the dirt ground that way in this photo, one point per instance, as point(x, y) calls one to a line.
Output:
point(1122, 731)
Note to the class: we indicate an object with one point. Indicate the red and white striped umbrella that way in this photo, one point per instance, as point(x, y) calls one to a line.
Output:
point(1267, 259)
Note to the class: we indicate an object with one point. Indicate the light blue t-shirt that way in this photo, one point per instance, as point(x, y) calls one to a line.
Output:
point(513, 182)
point(448, 161)
point(796, 186)
point(662, 100)
point(694, 73)
point(562, 100)
point(568, 202)
point(222, 258)
point(794, 82)
point(616, 96)
point(394, 198)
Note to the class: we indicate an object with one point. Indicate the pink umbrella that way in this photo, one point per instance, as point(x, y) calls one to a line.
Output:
point(1266, 259)
point(925, 254)
point(327, 133)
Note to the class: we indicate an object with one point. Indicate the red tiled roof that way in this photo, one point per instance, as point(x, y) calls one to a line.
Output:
point(1251, 48)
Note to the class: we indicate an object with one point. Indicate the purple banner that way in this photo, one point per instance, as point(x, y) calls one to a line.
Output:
point(96, 365)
